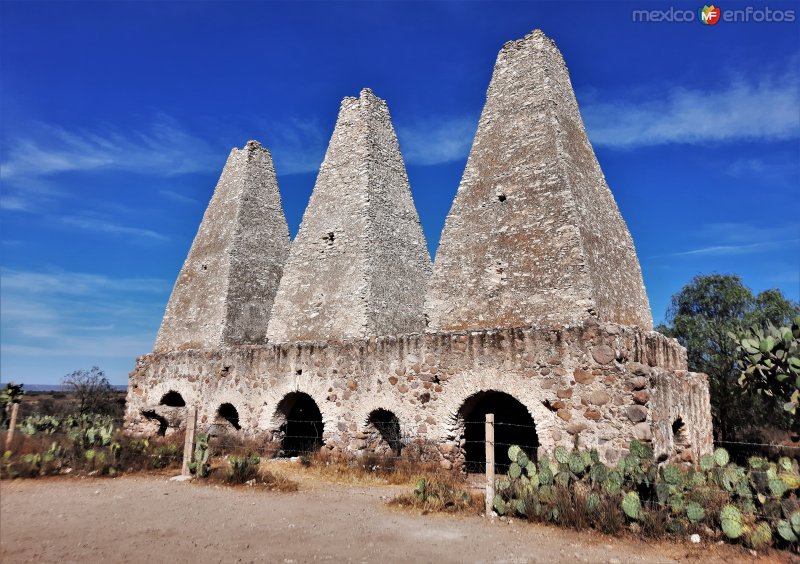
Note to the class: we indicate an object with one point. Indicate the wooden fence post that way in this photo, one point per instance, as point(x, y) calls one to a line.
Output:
point(188, 442)
point(489, 463)
point(12, 424)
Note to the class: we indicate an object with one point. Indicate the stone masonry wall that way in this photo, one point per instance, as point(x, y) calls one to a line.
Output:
point(606, 383)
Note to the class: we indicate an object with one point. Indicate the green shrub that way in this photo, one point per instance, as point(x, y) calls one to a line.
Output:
point(243, 468)
point(577, 490)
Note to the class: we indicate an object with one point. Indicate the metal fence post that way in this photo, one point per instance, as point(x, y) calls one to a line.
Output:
point(489, 463)
point(188, 442)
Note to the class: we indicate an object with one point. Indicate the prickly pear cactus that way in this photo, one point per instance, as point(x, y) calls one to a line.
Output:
point(499, 505)
point(632, 506)
point(514, 471)
point(592, 502)
point(576, 464)
point(707, 462)
point(562, 455)
point(732, 524)
point(672, 474)
point(760, 536)
point(613, 483)
point(778, 487)
point(695, 512)
point(789, 529)
point(721, 457)
point(513, 452)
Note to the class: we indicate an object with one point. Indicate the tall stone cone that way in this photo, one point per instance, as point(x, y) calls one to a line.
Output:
point(534, 235)
point(359, 265)
point(227, 285)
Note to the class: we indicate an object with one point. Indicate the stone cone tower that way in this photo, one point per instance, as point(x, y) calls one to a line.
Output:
point(359, 265)
point(225, 290)
point(534, 235)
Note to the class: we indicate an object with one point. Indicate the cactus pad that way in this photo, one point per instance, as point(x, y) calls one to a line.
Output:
point(613, 483)
point(499, 505)
point(695, 512)
point(731, 520)
point(761, 536)
point(707, 462)
point(672, 474)
point(631, 505)
point(778, 487)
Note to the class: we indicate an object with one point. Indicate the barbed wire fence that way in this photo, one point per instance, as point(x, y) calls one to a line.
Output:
point(482, 448)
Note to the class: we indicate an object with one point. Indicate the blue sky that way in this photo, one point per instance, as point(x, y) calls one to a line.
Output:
point(118, 117)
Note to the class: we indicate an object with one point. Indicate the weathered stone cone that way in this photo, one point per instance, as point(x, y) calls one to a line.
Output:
point(227, 285)
point(534, 235)
point(359, 265)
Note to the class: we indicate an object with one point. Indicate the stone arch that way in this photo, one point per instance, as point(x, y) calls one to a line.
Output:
point(228, 415)
point(172, 399)
point(514, 424)
point(383, 432)
point(161, 417)
point(299, 425)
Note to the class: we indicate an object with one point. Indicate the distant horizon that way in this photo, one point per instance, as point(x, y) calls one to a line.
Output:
point(56, 387)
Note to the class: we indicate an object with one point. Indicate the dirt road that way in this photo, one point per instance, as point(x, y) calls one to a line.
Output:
point(149, 519)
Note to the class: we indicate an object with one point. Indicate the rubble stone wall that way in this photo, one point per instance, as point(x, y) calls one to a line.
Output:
point(607, 384)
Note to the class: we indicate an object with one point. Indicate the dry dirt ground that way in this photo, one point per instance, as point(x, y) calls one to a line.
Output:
point(150, 519)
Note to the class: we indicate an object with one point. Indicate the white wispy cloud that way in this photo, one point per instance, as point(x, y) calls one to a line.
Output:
point(729, 238)
point(105, 226)
point(177, 196)
point(437, 140)
point(756, 109)
point(297, 145)
point(75, 283)
point(163, 147)
point(77, 319)
point(725, 250)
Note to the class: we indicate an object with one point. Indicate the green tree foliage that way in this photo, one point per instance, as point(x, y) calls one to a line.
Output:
point(769, 361)
point(702, 317)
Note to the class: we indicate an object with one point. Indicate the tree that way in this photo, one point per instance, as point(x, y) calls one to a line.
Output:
point(769, 361)
point(91, 388)
point(702, 316)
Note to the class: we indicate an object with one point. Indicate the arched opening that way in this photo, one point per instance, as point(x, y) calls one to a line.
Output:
point(679, 432)
point(384, 428)
point(513, 426)
point(302, 425)
point(163, 425)
point(172, 399)
point(228, 412)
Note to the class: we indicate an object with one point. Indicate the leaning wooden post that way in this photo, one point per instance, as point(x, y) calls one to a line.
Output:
point(188, 442)
point(12, 424)
point(489, 463)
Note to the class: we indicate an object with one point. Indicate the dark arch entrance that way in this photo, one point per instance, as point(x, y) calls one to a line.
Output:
point(513, 426)
point(302, 426)
point(386, 426)
point(229, 413)
point(172, 399)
